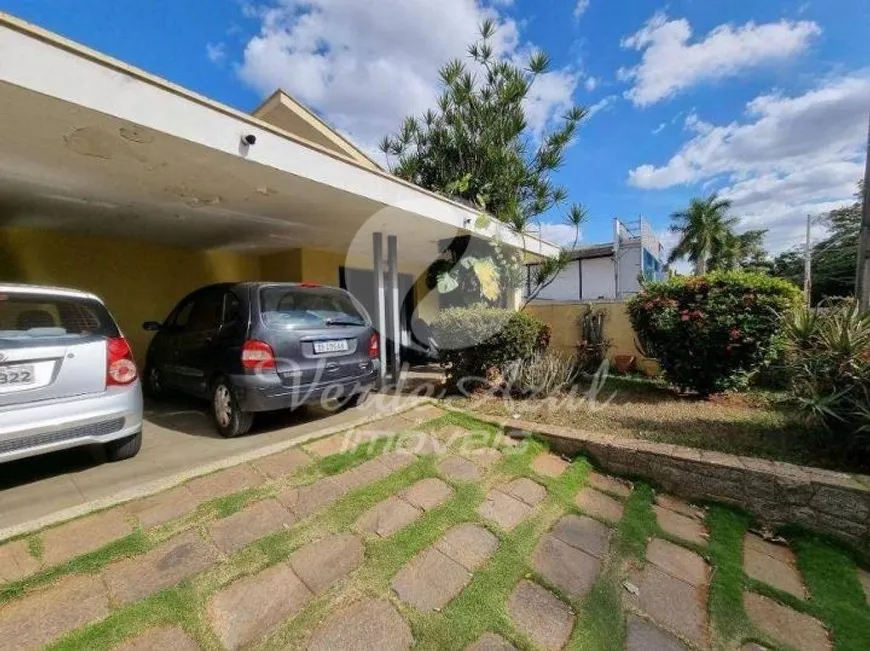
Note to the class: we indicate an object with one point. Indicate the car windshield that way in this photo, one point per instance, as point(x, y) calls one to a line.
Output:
point(25, 316)
point(301, 307)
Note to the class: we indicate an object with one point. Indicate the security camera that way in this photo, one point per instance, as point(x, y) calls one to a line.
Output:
point(249, 139)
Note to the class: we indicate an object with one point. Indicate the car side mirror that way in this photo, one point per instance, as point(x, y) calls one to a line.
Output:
point(151, 326)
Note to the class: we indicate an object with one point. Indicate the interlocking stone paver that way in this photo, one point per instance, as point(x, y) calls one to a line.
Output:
point(427, 494)
point(549, 465)
point(485, 457)
point(82, 536)
point(165, 638)
point(420, 444)
point(224, 482)
point(240, 529)
point(599, 505)
point(306, 500)
point(611, 485)
point(248, 609)
point(41, 617)
point(16, 562)
point(643, 636)
point(344, 441)
point(491, 642)
point(584, 533)
point(567, 567)
point(422, 414)
point(397, 459)
point(506, 511)
point(387, 517)
point(468, 545)
point(370, 625)
point(430, 580)
point(322, 563)
point(159, 509)
point(676, 504)
point(177, 559)
point(526, 490)
point(282, 463)
point(864, 579)
point(362, 475)
point(678, 561)
point(538, 613)
point(676, 605)
point(786, 625)
point(772, 564)
point(681, 526)
point(459, 469)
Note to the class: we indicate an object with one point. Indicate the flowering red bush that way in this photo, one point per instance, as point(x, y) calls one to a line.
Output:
point(709, 333)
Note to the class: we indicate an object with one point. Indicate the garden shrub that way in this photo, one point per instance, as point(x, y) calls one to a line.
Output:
point(477, 341)
point(710, 333)
point(828, 357)
point(545, 373)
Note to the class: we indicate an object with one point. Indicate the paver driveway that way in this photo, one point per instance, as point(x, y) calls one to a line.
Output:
point(421, 535)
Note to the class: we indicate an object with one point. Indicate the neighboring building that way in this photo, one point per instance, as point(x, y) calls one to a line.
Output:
point(608, 271)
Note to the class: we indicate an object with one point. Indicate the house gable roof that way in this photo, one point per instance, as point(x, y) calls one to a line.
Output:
point(282, 111)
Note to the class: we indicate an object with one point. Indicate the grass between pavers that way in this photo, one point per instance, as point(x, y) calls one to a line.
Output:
point(830, 575)
point(185, 604)
point(131, 545)
point(481, 607)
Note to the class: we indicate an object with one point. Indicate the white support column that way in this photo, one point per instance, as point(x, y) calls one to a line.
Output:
point(395, 316)
point(380, 303)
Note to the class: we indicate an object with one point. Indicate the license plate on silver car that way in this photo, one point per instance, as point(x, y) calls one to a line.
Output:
point(333, 346)
point(16, 375)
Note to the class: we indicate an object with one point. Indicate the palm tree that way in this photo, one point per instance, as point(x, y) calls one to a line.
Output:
point(703, 228)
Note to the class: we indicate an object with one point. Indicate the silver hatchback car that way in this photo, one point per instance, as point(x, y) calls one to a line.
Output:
point(67, 375)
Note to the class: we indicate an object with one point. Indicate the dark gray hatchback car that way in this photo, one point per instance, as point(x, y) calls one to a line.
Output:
point(253, 347)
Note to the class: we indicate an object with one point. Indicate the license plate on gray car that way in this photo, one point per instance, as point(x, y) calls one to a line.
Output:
point(333, 346)
point(16, 375)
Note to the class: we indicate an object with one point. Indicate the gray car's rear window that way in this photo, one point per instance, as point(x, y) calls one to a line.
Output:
point(36, 315)
point(291, 306)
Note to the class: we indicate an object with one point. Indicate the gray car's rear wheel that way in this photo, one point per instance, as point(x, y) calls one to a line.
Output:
point(125, 448)
point(229, 419)
point(154, 382)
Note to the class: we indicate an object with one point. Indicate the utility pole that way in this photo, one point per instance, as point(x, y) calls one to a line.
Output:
point(862, 274)
point(808, 266)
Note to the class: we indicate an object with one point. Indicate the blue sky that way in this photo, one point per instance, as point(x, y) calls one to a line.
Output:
point(765, 102)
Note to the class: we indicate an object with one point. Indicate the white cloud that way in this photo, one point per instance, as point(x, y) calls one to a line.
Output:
point(601, 105)
point(561, 234)
point(364, 66)
point(216, 52)
point(671, 63)
point(659, 128)
point(580, 8)
point(590, 83)
point(791, 156)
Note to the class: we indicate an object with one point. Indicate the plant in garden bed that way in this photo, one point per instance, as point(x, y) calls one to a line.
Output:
point(828, 357)
point(476, 343)
point(710, 333)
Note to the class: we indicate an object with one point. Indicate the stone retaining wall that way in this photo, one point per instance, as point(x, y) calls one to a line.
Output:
point(832, 503)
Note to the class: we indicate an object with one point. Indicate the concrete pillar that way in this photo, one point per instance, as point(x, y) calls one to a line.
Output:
point(380, 306)
point(395, 316)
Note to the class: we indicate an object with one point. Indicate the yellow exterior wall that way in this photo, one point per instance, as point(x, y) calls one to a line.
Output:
point(562, 318)
point(285, 266)
point(138, 281)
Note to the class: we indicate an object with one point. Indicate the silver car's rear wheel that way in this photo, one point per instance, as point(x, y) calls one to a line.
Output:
point(228, 418)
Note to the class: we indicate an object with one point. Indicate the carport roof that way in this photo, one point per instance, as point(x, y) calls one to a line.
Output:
point(120, 152)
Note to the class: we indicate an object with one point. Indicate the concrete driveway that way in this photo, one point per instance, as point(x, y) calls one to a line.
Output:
point(179, 442)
